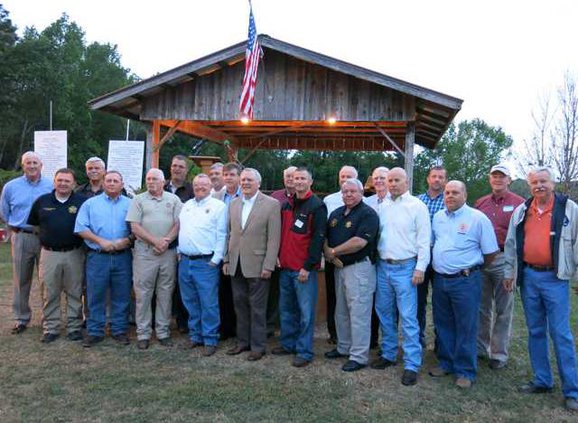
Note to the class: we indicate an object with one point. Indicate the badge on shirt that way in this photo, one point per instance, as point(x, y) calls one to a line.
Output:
point(508, 209)
point(333, 223)
point(72, 210)
point(49, 208)
point(463, 228)
point(207, 211)
point(298, 223)
point(348, 224)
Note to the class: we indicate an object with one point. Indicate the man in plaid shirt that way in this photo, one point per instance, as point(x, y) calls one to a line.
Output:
point(434, 200)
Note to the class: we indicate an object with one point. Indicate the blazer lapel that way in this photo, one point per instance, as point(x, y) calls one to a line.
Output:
point(256, 206)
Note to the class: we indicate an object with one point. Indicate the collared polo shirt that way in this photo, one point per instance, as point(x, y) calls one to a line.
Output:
point(461, 239)
point(18, 196)
point(281, 195)
point(156, 215)
point(56, 220)
point(362, 222)
point(499, 210)
point(203, 228)
point(404, 230)
point(537, 228)
point(434, 205)
point(105, 217)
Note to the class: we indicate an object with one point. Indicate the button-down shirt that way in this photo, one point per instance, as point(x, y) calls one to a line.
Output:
point(18, 196)
point(203, 228)
point(499, 210)
point(375, 202)
point(227, 198)
point(405, 230)
point(247, 207)
point(333, 202)
point(282, 195)
point(105, 217)
point(537, 234)
point(434, 205)
point(461, 239)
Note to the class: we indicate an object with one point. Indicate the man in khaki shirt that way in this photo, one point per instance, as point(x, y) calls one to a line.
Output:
point(153, 216)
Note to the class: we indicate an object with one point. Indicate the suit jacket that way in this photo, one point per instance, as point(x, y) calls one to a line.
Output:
point(256, 246)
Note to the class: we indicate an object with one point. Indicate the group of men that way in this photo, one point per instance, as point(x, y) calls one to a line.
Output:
point(220, 240)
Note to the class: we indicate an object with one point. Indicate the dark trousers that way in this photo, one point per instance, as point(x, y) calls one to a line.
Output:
point(250, 299)
point(179, 309)
point(422, 293)
point(273, 303)
point(227, 308)
point(374, 327)
point(330, 297)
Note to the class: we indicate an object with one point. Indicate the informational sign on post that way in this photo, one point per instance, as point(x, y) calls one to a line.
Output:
point(52, 147)
point(127, 157)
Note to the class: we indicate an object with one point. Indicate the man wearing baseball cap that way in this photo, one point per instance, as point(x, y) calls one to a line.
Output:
point(495, 318)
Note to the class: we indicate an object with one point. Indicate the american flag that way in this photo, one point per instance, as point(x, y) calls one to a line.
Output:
point(252, 56)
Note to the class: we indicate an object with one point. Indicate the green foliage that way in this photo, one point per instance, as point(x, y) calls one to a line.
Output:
point(468, 152)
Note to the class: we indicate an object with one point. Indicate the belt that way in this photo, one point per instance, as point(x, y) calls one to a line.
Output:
point(61, 249)
point(110, 253)
point(461, 273)
point(16, 229)
point(199, 256)
point(539, 268)
point(392, 261)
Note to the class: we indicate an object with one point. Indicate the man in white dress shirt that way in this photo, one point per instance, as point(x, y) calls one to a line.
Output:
point(404, 252)
point(202, 236)
point(379, 179)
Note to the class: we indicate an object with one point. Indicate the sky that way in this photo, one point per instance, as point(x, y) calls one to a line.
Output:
point(498, 56)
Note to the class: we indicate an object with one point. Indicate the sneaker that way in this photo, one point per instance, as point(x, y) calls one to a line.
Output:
point(74, 336)
point(353, 366)
point(299, 362)
point(91, 340)
point(166, 342)
point(209, 350)
point(409, 378)
point(142, 344)
point(47, 338)
point(530, 388)
point(381, 363)
point(496, 364)
point(438, 372)
point(334, 354)
point(121, 338)
point(280, 351)
point(463, 383)
point(572, 404)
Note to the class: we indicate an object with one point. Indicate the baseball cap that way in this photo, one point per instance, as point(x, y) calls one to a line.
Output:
point(500, 168)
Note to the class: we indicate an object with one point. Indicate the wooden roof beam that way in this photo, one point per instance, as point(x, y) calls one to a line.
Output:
point(391, 141)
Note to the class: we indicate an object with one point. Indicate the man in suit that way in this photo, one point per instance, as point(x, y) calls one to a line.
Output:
point(253, 243)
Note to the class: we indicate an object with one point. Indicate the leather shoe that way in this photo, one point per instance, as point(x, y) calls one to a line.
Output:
point(91, 340)
point(463, 383)
point(300, 362)
point(332, 340)
point(237, 349)
point(438, 372)
point(121, 338)
point(166, 342)
point(409, 378)
point(74, 336)
point(209, 350)
point(18, 329)
point(530, 388)
point(280, 351)
point(572, 404)
point(381, 363)
point(255, 355)
point(496, 364)
point(47, 338)
point(142, 344)
point(334, 354)
point(352, 366)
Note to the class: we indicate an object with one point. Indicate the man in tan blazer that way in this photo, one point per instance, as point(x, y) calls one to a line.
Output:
point(253, 245)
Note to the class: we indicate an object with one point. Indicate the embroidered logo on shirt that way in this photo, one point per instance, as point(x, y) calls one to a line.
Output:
point(348, 224)
point(333, 223)
point(72, 210)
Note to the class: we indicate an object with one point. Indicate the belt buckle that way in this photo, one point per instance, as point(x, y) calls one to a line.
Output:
point(466, 272)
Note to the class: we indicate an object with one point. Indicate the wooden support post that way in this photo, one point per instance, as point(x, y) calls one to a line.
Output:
point(409, 145)
point(148, 145)
point(231, 151)
point(156, 142)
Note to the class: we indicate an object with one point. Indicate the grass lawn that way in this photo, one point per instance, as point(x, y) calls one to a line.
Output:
point(63, 382)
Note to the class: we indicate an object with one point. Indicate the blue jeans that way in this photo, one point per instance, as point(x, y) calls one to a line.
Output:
point(456, 302)
point(103, 272)
point(395, 292)
point(297, 302)
point(199, 283)
point(546, 302)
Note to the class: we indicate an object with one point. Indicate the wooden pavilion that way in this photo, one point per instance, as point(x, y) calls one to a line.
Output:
point(304, 101)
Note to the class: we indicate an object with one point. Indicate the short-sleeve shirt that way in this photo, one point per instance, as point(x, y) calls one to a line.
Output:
point(18, 196)
point(461, 239)
point(156, 215)
point(362, 221)
point(56, 220)
point(499, 210)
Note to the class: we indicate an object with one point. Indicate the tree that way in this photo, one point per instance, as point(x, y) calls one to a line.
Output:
point(468, 152)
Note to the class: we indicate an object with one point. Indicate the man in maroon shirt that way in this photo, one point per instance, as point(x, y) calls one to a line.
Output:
point(283, 195)
point(495, 318)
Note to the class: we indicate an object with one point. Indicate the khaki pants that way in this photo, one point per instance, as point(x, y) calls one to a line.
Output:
point(153, 274)
point(25, 255)
point(62, 271)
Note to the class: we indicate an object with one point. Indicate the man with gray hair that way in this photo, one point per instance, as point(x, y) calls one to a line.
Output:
point(379, 179)
point(541, 258)
point(283, 195)
point(17, 198)
point(153, 217)
point(352, 232)
point(95, 169)
point(216, 177)
point(254, 222)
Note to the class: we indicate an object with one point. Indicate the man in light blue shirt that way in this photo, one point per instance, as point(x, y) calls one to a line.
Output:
point(101, 222)
point(464, 240)
point(18, 196)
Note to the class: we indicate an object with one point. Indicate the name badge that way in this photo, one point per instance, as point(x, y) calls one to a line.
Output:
point(299, 223)
point(508, 209)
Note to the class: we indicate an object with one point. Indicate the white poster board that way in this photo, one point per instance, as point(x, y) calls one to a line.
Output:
point(52, 147)
point(127, 157)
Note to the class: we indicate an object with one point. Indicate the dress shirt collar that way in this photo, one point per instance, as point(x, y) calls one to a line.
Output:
point(251, 200)
point(237, 193)
point(154, 197)
point(456, 213)
point(441, 194)
point(399, 198)
point(109, 198)
point(203, 201)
